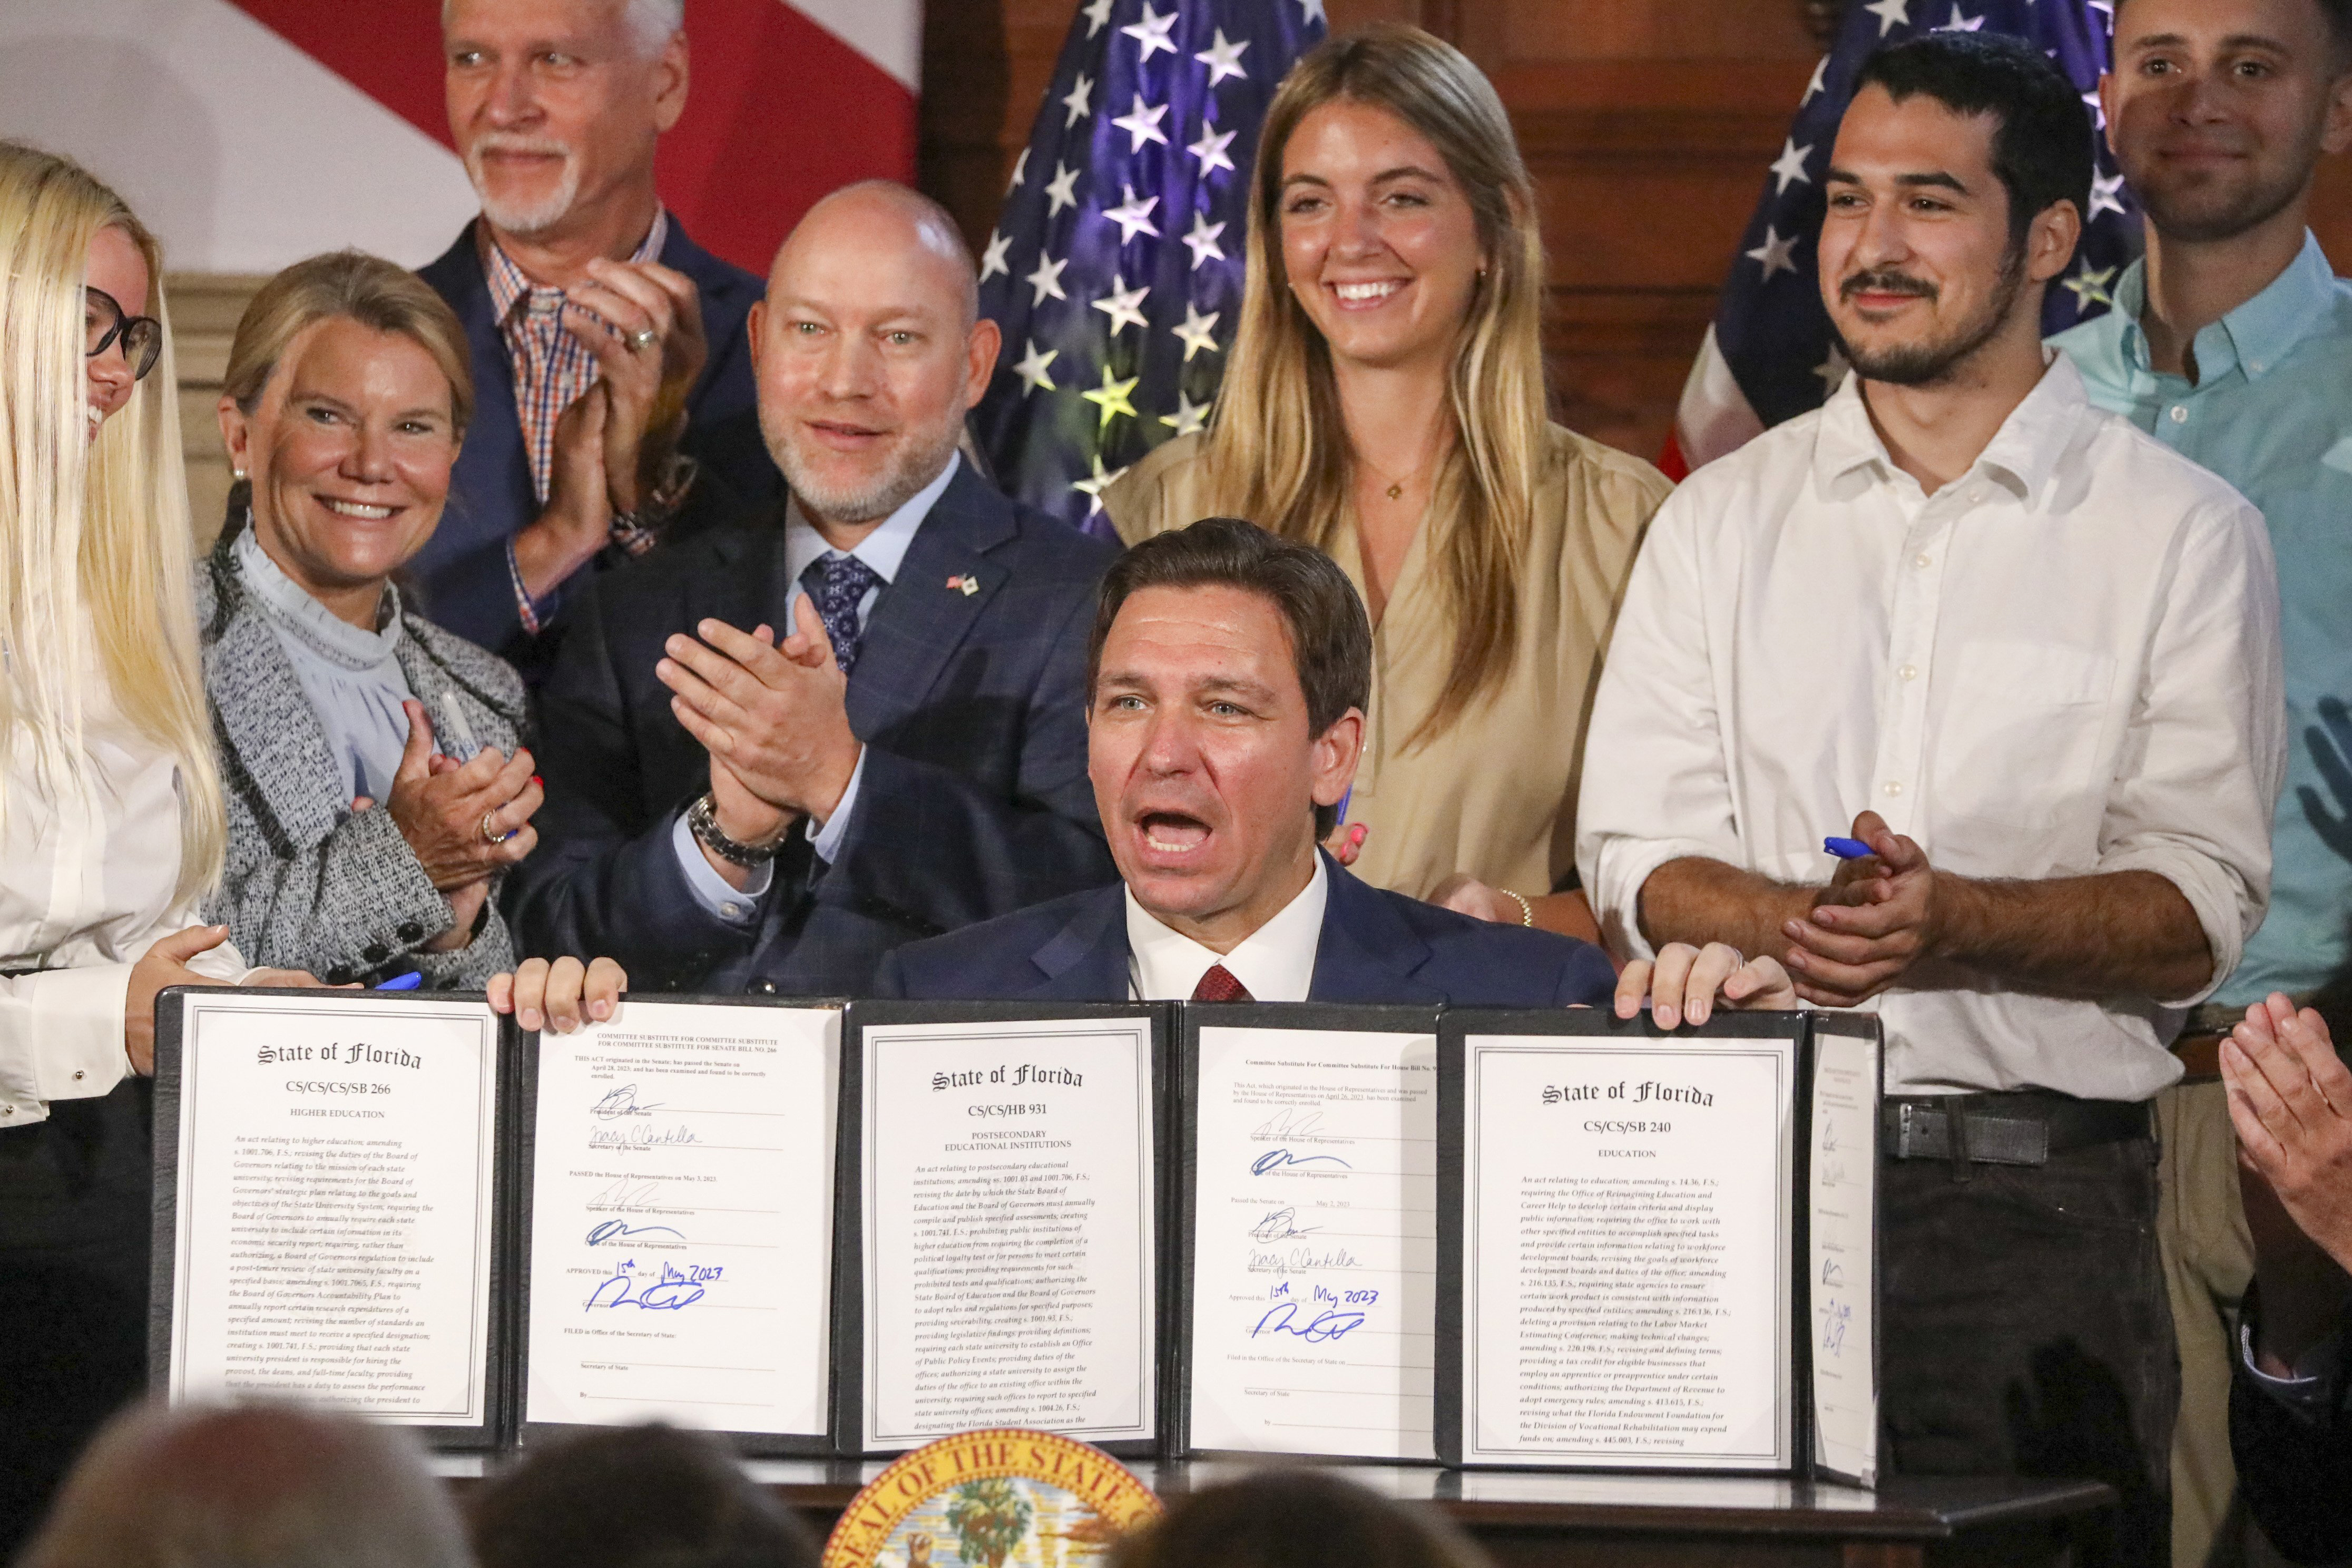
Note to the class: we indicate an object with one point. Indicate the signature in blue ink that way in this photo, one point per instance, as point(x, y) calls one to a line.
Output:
point(1834, 1317)
point(674, 1288)
point(1288, 1123)
point(639, 1137)
point(1282, 1319)
point(620, 1230)
point(622, 1101)
point(1275, 1159)
point(1280, 1225)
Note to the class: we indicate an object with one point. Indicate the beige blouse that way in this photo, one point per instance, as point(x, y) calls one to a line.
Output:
point(1495, 794)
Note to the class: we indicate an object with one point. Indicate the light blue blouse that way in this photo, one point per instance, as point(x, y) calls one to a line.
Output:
point(352, 677)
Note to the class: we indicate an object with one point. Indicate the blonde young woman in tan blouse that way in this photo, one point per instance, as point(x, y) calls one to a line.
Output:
point(1385, 402)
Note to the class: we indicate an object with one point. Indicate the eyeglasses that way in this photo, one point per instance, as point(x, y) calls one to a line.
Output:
point(103, 322)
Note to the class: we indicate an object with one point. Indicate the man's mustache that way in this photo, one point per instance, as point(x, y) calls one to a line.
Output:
point(514, 142)
point(1883, 282)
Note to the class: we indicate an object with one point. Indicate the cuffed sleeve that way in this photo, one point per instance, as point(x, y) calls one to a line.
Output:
point(828, 839)
point(1656, 785)
point(2187, 805)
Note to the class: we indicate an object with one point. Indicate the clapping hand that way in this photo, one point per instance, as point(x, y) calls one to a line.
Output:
point(773, 716)
point(2291, 1102)
point(644, 323)
point(1683, 982)
point(463, 820)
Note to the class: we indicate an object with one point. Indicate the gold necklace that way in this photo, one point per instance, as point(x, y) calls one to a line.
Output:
point(1396, 490)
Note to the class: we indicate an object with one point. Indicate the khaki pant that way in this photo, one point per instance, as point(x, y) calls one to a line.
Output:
point(2207, 1260)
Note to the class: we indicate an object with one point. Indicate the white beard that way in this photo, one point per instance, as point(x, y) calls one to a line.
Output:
point(516, 217)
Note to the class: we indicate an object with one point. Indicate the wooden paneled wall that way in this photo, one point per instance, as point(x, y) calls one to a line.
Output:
point(1648, 125)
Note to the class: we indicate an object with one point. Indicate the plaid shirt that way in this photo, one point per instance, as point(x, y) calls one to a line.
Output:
point(552, 370)
point(552, 367)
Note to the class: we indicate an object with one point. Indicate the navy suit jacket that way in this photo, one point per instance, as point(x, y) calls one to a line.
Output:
point(974, 801)
point(1378, 948)
point(460, 577)
point(2296, 1466)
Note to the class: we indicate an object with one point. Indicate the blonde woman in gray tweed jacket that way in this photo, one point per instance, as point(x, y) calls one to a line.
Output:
point(376, 781)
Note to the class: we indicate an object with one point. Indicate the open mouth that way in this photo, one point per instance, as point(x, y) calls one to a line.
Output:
point(1173, 832)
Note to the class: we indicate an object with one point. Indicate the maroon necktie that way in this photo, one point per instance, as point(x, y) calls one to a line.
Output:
point(1219, 985)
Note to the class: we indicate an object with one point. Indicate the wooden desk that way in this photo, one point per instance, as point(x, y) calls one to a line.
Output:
point(1649, 1522)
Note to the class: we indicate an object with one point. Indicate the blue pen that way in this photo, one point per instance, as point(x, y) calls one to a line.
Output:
point(408, 981)
point(1848, 848)
point(1343, 807)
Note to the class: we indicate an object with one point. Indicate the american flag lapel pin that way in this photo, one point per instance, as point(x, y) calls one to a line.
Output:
point(968, 585)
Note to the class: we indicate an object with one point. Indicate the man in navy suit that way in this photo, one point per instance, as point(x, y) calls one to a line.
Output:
point(612, 364)
point(1228, 672)
point(777, 750)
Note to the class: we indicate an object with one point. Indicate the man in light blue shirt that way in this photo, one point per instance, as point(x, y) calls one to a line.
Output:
point(2232, 342)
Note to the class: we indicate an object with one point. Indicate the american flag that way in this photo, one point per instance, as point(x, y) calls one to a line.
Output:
point(1769, 356)
point(1115, 264)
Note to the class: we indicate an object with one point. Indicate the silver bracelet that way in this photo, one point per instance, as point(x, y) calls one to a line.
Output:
point(702, 821)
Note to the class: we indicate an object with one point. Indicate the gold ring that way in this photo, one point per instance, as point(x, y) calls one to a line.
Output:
point(488, 836)
point(642, 339)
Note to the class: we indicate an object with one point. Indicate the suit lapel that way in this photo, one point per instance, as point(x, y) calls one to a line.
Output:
point(919, 620)
point(1367, 953)
point(1086, 959)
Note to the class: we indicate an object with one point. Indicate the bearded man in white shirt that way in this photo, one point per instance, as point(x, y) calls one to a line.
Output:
point(2033, 657)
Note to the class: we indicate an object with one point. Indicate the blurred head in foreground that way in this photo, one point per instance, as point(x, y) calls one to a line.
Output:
point(256, 1486)
point(639, 1497)
point(1296, 1519)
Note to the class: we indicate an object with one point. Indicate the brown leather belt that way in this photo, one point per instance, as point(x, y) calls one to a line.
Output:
point(2201, 1056)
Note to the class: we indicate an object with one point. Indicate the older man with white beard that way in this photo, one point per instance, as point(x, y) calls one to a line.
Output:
point(612, 364)
point(780, 750)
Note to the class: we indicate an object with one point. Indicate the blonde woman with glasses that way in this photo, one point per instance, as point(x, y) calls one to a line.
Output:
point(1384, 402)
point(110, 816)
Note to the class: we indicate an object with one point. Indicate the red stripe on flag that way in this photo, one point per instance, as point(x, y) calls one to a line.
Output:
point(1671, 461)
point(779, 112)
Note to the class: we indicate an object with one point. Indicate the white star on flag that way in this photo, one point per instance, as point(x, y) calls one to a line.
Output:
point(1062, 190)
point(1031, 368)
point(2089, 288)
point(1211, 149)
point(1190, 419)
point(1133, 216)
point(2106, 194)
point(1314, 9)
point(1890, 14)
point(1223, 59)
point(1096, 15)
point(1093, 488)
point(1959, 24)
point(1203, 240)
point(1080, 100)
point(1046, 279)
point(1774, 253)
point(1120, 304)
point(1151, 32)
point(1141, 124)
point(1195, 330)
point(1832, 370)
point(1020, 172)
point(1789, 167)
point(992, 260)
point(2098, 111)
point(1820, 70)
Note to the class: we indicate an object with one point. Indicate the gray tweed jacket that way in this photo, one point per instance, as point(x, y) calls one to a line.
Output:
point(310, 884)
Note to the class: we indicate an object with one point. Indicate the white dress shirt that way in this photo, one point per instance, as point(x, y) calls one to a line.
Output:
point(88, 883)
point(1275, 963)
point(884, 550)
point(2064, 662)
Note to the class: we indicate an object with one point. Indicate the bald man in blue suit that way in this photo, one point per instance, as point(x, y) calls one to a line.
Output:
point(1228, 671)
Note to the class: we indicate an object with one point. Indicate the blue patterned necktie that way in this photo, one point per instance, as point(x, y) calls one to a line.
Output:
point(836, 583)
